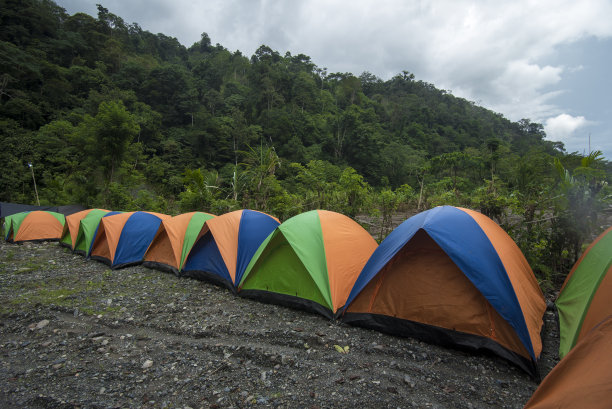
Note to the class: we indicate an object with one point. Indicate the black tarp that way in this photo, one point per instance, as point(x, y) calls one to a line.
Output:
point(7, 209)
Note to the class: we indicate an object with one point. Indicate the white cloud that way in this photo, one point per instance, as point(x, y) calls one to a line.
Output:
point(564, 128)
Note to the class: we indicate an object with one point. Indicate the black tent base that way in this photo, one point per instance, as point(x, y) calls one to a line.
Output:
point(34, 241)
point(116, 266)
point(161, 267)
point(285, 300)
point(209, 277)
point(440, 336)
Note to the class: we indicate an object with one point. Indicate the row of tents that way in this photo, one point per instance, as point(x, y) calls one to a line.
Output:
point(448, 275)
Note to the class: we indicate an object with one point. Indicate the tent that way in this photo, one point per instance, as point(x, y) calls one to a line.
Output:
point(174, 240)
point(225, 246)
point(585, 296)
point(122, 239)
point(452, 276)
point(88, 228)
point(583, 378)
point(311, 261)
point(71, 227)
point(37, 225)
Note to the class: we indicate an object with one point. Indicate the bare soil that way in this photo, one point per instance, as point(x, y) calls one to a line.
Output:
point(74, 334)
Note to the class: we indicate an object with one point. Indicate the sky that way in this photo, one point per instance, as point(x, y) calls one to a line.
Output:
point(545, 60)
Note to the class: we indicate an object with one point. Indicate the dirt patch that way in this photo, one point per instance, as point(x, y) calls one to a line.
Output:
point(74, 334)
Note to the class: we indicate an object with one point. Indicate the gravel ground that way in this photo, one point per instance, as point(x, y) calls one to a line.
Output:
point(74, 334)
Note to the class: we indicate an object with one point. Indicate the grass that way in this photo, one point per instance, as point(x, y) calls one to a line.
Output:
point(9, 255)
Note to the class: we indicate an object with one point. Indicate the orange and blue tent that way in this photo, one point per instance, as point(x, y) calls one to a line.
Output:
point(452, 276)
point(584, 299)
point(38, 225)
point(225, 245)
point(310, 262)
point(122, 239)
point(72, 226)
point(583, 378)
point(174, 240)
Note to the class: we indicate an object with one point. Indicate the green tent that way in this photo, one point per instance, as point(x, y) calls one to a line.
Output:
point(310, 261)
point(88, 226)
point(8, 223)
point(38, 225)
point(584, 300)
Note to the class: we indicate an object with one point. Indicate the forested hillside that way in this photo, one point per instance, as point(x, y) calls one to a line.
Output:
point(112, 116)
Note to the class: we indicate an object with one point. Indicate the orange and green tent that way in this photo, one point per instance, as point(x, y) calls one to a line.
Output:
point(583, 378)
point(174, 240)
point(37, 225)
point(585, 296)
point(72, 226)
point(310, 261)
point(88, 228)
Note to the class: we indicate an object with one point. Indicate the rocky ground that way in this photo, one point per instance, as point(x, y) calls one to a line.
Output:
point(74, 334)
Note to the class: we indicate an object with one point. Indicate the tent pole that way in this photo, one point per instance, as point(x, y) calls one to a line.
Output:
point(34, 179)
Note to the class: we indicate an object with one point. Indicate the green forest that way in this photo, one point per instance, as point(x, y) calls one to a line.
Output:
point(110, 115)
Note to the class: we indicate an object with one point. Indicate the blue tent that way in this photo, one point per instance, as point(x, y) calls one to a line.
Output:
point(452, 276)
point(226, 245)
point(122, 239)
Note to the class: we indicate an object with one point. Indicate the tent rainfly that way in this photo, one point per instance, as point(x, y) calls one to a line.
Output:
point(311, 262)
point(452, 276)
point(226, 244)
point(585, 296)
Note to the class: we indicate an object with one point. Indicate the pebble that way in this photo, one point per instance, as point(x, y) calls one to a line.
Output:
point(41, 324)
point(147, 364)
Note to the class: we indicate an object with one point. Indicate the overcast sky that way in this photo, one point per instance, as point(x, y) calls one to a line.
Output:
point(546, 60)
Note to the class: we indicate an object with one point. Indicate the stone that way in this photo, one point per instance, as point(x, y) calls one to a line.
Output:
point(41, 324)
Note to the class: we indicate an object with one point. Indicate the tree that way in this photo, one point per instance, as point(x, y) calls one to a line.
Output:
point(113, 128)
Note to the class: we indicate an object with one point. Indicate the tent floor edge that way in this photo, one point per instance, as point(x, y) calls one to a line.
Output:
point(36, 240)
point(291, 301)
point(209, 277)
point(62, 244)
point(125, 265)
point(155, 265)
point(440, 336)
point(101, 259)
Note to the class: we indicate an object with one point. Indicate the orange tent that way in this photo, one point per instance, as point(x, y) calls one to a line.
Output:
point(583, 379)
point(122, 239)
point(34, 226)
point(174, 240)
point(225, 246)
point(71, 227)
point(311, 261)
point(584, 299)
point(452, 276)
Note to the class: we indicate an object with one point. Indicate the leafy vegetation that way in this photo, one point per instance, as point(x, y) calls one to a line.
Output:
point(114, 116)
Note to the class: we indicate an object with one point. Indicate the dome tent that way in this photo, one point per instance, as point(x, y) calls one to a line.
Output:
point(122, 239)
point(174, 240)
point(583, 378)
point(584, 299)
point(452, 276)
point(225, 246)
point(88, 228)
point(72, 226)
point(38, 225)
point(310, 261)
